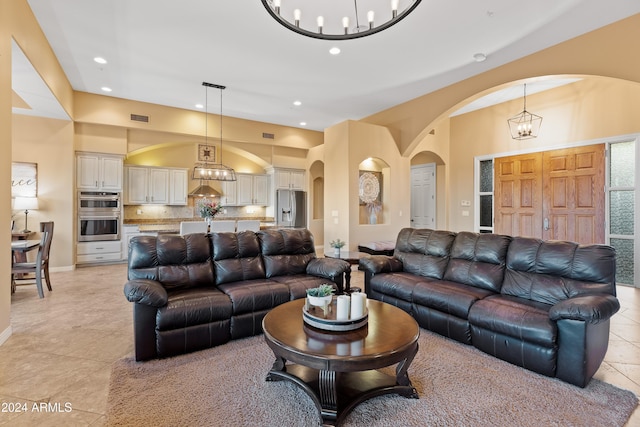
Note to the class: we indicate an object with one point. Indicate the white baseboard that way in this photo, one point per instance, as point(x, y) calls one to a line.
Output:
point(63, 268)
point(5, 335)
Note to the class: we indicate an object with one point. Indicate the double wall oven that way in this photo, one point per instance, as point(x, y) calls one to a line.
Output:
point(99, 216)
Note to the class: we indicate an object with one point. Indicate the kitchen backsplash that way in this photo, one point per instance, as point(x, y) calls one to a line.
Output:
point(147, 212)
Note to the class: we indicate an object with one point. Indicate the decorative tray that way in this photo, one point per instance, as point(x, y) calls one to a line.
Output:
point(315, 316)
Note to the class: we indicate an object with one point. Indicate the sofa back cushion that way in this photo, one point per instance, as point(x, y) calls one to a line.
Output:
point(236, 257)
point(177, 262)
point(552, 271)
point(286, 251)
point(424, 252)
point(478, 260)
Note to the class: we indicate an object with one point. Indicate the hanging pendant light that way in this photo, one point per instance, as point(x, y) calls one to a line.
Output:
point(525, 125)
point(205, 171)
point(342, 20)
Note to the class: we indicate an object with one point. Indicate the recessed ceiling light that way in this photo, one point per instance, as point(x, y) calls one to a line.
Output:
point(199, 106)
point(303, 123)
point(105, 89)
point(334, 50)
point(479, 57)
point(297, 103)
point(100, 60)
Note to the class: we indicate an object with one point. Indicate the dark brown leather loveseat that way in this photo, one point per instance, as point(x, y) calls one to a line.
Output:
point(542, 305)
point(197, 291)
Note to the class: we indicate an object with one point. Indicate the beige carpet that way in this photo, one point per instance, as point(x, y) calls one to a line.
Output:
point(458, 386)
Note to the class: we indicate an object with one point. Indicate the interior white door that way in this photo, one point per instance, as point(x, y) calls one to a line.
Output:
point(423, 196)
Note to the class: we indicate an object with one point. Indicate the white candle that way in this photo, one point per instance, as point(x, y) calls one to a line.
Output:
point(358, 301)
point(342, 312)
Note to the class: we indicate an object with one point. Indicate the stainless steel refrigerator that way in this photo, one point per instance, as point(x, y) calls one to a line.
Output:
point(291, 208)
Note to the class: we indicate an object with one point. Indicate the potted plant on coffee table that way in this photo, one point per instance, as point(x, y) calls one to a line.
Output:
point(337, 245)
point(320, 296)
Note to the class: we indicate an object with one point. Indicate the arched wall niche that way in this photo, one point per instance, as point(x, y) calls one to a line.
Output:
point(316, 172)
point(373, 190)
point(316, 200)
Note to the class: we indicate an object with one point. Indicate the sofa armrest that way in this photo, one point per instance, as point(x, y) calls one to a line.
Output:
point(589, 308)
point(380, 264)
point(329, 268)
point(147, 292)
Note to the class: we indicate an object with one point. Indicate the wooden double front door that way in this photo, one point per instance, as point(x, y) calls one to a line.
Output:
point(558, 195)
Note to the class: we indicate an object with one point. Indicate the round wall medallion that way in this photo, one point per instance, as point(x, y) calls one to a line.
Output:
point(369, 187)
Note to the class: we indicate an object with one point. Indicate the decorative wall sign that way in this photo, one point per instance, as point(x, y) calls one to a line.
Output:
point(206, 153)
point(24, 179)
point(369, 187)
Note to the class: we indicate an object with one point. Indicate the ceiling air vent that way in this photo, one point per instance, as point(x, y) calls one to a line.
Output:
point(268, 135)
point(139, 118)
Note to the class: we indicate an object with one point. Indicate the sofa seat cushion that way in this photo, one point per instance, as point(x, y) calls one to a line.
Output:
point(448, 297)
point(189, 307)
point(399, 285)
point(255, 295)
point(522, 319)
point(299, 283)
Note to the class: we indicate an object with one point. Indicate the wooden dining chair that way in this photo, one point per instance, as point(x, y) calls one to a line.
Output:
point(41, 265)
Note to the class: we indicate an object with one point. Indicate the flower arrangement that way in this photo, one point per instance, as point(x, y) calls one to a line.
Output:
point(208, 208)
point(337, 243)
point(321, 291)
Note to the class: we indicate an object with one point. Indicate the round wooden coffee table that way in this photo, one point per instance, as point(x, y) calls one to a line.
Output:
point(339, 370)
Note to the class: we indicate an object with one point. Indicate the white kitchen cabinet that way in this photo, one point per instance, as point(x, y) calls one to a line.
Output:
point(289, 179)
point(98, 172)
point(229, 193)
point(252, 190)
point(98, 252)
point(137, 185)
point(160, 186)
point(178, 186)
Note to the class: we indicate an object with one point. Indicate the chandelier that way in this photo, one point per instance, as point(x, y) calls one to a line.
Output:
point(339, 19)
point(524, 125)
point(206, 171)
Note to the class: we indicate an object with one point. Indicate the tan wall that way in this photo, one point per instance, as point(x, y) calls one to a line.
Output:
point(106, 110)
point(336, 184)
point(5, 169)
point(346, 146)
point(48, 143)
point(316, 168)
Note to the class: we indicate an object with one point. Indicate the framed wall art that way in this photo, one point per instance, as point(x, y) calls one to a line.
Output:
point(24, 179)
point(206, 153)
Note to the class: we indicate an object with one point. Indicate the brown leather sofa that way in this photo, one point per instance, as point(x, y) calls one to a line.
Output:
point(197, 291)
point(542, 305)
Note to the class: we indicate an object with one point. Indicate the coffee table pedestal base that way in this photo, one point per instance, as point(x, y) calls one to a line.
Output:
point(335, 394)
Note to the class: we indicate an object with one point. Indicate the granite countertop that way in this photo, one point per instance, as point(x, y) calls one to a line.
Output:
point(172, 225)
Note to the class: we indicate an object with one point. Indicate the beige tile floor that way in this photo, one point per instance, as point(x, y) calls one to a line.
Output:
point(63, 345)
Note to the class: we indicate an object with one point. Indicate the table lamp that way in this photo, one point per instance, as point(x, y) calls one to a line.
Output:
point(25, 203)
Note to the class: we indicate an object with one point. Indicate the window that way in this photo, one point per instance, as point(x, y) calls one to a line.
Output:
point(622, 206)
point(484, 199)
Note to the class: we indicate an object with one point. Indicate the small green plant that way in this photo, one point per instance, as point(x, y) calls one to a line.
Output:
point(337, 243)
point(321, 291)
